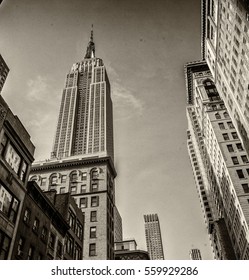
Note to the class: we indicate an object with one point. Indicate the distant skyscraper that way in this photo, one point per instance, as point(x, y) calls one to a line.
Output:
point(4, 70)
point(82, 157)
point(195, 254)
point(85, 123)
point(153, 237)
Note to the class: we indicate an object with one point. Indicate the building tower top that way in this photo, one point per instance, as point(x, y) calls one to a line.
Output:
point(90, 51)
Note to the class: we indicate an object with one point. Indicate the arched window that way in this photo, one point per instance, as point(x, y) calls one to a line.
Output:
point(225, 114)
point(34, 178)
point(217, 116)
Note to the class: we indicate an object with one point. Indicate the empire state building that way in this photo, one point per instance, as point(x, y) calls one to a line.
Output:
point(85, 123)
point(81, 162)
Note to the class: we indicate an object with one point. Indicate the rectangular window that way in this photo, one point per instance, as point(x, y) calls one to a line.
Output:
point(245, 188)
point(235, 160)
point(225, 136)
point(59, 249)
point(52, 240)
point(240, 173)
point(239, 147)
point(83, 202)
point(235, 135)
point(230, 125)
point(84, 176)
point(36, 225)
point(93, 232)
point(26, 217)
point(62, 190)
point(230, 148)
point(92, 249)
point(31, 253)
point(221, 126)
point(4, 245)
point(3, 144)
point(244, 159)
point(20, 247)
point(13, 158)
point(63, 178)
point(93, 217)
point(73, 190)
point(43, 181)
point(82, 188)
point(94, 187)
point(44, 234)
point(94, 201)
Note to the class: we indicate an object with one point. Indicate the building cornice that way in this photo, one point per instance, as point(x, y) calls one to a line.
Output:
point(64, 163)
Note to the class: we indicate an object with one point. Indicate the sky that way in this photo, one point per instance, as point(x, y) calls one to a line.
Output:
point(144, 45)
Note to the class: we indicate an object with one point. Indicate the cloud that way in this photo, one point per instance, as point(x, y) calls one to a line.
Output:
point(37, 88)
point(126, 104)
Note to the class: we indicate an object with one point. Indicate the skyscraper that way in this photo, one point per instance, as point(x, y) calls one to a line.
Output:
point(195, 254)
point(225, 47)
point(85, 123)
point(4, 70)
point(82, 159)
point(153, 237)
point(218, 125)
point(220, 165)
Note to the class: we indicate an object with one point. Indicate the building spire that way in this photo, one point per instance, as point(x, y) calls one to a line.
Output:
point(90, 51)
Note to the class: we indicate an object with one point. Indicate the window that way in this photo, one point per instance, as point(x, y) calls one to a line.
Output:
point(13, 158)
point(3, 144)
point(63, 178)
point(72, 219)
point(225, 136)
point(84, 176)
point(73, 190)
point(53, 180)
point(221, 126)
point(73, 177)
point(62, 190)
point(93, 232)
point(20, 247)
point(239, 147)
point(27, 215)
point(43, 182)
point(79, 230)
point(36, 225)
point(92, 249)
point(82, 188)
point(240, 173)
point(245, 188)
point(44, 234)
point(52, 241)
point(23, 171)
point(4, 245)
point(83, 202)
point(226, 115)
point(235, 160)
point(230, 125)
point(217, 116)
point(94, 187)
point(235, 135)
point(69, 245)
point(93, 217)
point(244, 159)
point(59, 249)
point(230, 148)
point(31, 253)
point(94, 201)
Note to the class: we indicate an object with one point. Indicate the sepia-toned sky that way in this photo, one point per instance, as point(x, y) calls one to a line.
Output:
point(144, 45)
